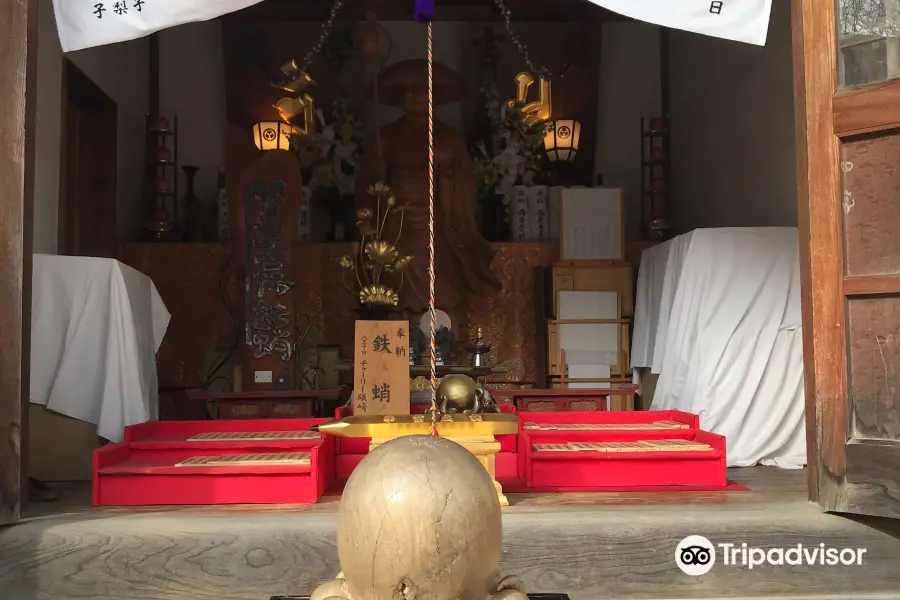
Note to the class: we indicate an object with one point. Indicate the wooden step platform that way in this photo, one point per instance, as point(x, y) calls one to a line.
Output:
point(620, 447)
point(215, 462)
point(587, 452)
point(591, 546)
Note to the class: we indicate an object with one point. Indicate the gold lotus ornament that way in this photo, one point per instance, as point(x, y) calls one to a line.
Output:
point(379, 295)
point(381, 252)
point(365, 228)
point(379, 188)
point(374, 256)
point(399, 264)
point(346, 262)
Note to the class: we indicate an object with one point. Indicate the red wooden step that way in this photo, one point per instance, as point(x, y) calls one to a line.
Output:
point(624, 464)
point(197, 463)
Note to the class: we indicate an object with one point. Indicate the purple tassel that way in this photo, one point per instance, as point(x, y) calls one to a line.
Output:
point(424, 10)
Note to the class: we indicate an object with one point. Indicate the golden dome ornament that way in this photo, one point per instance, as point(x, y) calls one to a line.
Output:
point(456, 394)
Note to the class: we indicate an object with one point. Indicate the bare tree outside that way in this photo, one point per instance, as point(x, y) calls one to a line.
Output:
point(869, 17)
point(868, 41)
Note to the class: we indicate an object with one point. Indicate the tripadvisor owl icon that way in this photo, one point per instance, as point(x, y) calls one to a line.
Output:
point(695, 555)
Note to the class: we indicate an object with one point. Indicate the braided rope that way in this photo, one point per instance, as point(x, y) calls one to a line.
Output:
point(434, 406)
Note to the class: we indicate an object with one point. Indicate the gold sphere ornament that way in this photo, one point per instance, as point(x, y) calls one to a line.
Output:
point(419, 519)
point(456, 394)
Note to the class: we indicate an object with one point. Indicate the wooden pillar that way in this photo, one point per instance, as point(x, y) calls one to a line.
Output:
point(814, 46)
point(18, 20)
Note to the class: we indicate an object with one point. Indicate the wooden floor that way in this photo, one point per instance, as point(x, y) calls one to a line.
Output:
point(591, 546)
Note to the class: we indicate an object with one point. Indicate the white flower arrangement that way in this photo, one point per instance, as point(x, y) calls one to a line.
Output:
point(329, 158)
point(516, 156)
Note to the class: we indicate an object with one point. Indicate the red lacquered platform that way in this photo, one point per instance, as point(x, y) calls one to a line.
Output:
point(215, 462)
point(269, 461)
point(596, 451)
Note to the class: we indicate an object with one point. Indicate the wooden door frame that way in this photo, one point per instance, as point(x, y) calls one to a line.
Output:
point(18, 74)
point(95, 97)
point(813, 24)
point(814, 48)
point(824, 115)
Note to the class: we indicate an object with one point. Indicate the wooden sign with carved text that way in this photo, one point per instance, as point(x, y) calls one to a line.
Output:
point(381, 368)
point(268, 208)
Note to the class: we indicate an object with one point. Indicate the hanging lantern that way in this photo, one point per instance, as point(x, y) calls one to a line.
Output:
point(561, 140)
point(272, 135)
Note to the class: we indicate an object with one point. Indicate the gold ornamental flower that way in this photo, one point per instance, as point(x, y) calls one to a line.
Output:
point(365, 228)
point(346, 262)
point(364, 214)
point(380, 188)
point(381, 252)
point(378, 295)
point(400, 264)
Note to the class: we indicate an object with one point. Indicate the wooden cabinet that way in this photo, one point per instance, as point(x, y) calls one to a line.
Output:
point(590, 276)
point(593, 276)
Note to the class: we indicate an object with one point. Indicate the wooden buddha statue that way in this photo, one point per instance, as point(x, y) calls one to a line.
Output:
point(462, 256)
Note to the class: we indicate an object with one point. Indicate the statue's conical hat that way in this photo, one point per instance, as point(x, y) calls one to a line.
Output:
point(397, 80)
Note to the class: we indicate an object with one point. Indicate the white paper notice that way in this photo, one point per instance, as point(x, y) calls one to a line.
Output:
point(89, 23)
point(738, 20)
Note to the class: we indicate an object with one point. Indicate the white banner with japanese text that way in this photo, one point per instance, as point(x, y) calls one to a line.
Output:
point(738, 20)
point(88, 23)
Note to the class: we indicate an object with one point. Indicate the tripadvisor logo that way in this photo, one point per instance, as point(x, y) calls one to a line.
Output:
point(696, 555)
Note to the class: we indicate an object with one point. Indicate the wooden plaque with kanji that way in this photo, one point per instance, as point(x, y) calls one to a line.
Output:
point(381, 368)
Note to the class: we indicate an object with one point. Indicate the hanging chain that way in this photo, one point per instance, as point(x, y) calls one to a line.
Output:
point(326, 31)
point(541, 72)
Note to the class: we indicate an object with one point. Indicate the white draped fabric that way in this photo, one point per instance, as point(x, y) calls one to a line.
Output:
point(738, 20)
point(717, 316)
point(89, 23)
point(96, 325)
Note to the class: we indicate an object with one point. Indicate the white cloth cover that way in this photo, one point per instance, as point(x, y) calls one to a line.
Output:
point(96, 325)
point(88, 23)
point(717, 316)
point(738, 20)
